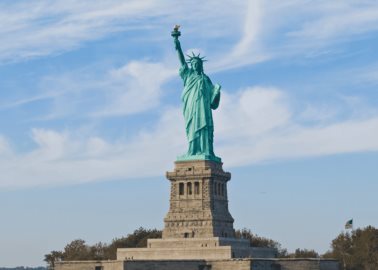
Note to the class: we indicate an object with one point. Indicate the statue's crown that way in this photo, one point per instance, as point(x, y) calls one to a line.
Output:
point(195, 57)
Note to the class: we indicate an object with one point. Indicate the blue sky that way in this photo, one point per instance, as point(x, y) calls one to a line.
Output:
point(91, 117)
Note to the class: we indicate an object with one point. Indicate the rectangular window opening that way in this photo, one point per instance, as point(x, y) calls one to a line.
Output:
point(189, 188)
point(181, 189)
point(196, 188)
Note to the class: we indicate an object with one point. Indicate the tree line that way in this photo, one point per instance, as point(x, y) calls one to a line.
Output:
point(78, 250)
point(355, 250)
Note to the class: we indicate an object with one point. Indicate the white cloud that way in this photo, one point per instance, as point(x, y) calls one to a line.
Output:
point(254, 125)
point(62, 158)
point(5, 149)
point(338, 19)
point(298, 142)
point(39, 28)
point(319, 113)
point(314, 28)
point(135, 87)
point(254, 30)
point(250, 112)
point(271, 29)
point(51, 145)
point(367, 74)
point(248, 49)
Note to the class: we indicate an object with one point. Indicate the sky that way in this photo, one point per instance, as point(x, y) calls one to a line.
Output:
point(91, 118)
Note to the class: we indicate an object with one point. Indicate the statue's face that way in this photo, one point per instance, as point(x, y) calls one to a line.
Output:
point(197, 65)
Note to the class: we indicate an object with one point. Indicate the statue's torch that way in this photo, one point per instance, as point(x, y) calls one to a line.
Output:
point(176, 33)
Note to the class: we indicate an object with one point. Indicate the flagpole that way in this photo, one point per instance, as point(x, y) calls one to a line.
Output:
point(348, 226)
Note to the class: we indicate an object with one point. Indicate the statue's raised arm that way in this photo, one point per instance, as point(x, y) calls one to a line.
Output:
point(175, 34)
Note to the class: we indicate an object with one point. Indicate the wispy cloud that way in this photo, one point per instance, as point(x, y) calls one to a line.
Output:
point(266, 129)
point(252, 112)
point(298, 142)
point(339, 20)
point(247, 49)
point(256, 123)
point(134, 88)
point(313, 28)
point(271, 30)
point(130, 89)
point(27, 100)
point(364, 75)
point(5, 149)
point(62, 158)
point(38, 28)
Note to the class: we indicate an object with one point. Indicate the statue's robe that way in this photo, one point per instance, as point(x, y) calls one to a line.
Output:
point(199, 97)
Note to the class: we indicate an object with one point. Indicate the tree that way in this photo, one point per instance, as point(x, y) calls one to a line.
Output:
point(98, 251)
point(258, 241)
point(76, 250)
point(136, 239)
point(304, 253)
point(51, 258)
point(357, 250)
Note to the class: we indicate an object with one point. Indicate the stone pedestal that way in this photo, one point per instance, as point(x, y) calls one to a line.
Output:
point(198, 232)
point(198, 225)
point(198, 201)
point(214, 248)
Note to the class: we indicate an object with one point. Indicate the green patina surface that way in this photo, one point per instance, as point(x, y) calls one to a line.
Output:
point(199, 98)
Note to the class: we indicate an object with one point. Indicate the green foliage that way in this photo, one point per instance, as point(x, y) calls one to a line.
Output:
point(137, 239)
point(255, 240)
point(52, 257)
point(357, 250)
point(258, 241)
point(304, 253)
point(98, 251)
point(78, 250)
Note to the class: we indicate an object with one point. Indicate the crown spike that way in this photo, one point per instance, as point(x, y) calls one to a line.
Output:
point(194, 56)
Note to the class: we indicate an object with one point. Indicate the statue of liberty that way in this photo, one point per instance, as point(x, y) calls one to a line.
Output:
point(199, 97)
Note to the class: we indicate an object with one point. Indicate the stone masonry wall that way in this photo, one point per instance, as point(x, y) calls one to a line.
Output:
point(233, 264)
point(188, 265)
point(294, 264)
point(89, 265)
point(308, 264)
